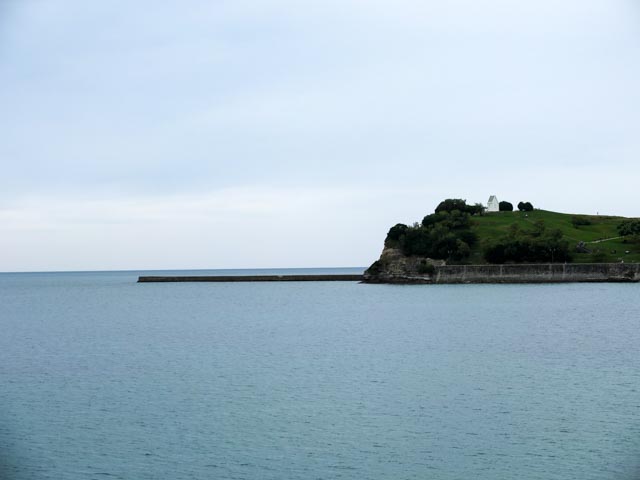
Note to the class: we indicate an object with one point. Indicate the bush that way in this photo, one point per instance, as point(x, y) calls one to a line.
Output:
point(495, 253)
point(580, 221)
point(417, 241)
point(454, 220)
point(445, 234)
point(425, 268)
point(505, 207)
point(462, 250)
point(476, 209)
point(433, 218)
point(451, 204)
point(396, 235)
point(629, 227)
point(537, 245)
point(525, 207)
point(441, 235)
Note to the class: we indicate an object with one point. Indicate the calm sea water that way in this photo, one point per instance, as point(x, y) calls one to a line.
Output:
point(101, 377)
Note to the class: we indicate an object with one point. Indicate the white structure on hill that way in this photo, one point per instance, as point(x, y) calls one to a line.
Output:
point(493, 205)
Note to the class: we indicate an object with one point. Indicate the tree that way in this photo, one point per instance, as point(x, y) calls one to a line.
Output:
point(578, 221)
point(451, 204)
point(397, 231)
point(445, 234)
point(525, 207)
point(462, 250)
point(505, 207)
point(426, 268)
point(417, 242)
point(476, 209)
point(455, 219)
point(433, 218)
point(536, 245)
point(629, 227)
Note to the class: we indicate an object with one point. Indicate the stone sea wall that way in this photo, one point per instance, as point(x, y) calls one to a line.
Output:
point(394, 267)
point(252, 278)
point(538, 273)
point(530, 273)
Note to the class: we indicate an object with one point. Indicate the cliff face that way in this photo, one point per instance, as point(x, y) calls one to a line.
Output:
point(394, 267)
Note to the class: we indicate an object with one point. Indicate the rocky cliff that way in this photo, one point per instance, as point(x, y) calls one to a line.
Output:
point(394, 267)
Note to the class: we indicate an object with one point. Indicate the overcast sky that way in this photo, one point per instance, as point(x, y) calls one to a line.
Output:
point(282, 133)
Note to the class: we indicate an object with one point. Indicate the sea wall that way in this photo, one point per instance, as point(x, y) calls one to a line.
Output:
point(528, 273)
point(252, 278)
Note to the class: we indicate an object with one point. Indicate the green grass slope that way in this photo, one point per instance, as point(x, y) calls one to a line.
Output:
point(601, 235)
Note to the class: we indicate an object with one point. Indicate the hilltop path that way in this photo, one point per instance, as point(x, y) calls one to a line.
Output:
point(605, 239)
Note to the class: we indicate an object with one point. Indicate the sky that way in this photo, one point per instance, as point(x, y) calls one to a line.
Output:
point(282, 133)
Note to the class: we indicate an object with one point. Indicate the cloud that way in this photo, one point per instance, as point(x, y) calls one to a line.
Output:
point(231, 228)
point(120, 115)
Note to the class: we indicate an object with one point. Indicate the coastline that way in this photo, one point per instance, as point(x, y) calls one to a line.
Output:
point(510, 273)
point(444, 274)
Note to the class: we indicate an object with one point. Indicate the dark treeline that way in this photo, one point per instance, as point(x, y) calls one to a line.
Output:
point(629, 227)
point(447, 235)
point(538, 244)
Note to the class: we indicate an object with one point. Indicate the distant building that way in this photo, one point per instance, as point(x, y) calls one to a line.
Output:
point(493, 205)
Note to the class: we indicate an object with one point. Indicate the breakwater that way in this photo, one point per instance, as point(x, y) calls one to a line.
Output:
point(529, 273)
point(253, 278)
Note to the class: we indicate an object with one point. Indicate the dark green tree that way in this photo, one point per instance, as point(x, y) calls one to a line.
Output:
point(396, 235)
point(417, 242)
point(579, 221)
point(505, 207)
point(451, 204)
point(531, 246)
point(476, 209)
point(629, 227)
point(445, 234)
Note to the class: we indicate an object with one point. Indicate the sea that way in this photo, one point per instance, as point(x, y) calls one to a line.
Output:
point(105, 378)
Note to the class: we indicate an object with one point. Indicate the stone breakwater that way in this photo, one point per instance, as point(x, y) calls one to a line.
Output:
point(252, 278)
point(517, 273)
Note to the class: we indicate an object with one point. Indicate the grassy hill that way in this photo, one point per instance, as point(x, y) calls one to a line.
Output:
point(601, 235)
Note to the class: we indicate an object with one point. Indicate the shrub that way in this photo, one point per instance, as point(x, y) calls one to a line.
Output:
point(451, 204)
point(580, 221)
point(629, 227)
point(417, 241)
point(445, 234)
point(396, 235)
point(476, 209)
point(525, 207)
point(425, 268)
point(538, 245)
point(505, 207)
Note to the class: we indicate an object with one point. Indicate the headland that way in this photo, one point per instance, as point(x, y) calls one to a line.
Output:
point(461, 243)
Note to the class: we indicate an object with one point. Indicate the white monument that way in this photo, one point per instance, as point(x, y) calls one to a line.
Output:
point(493, 205)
